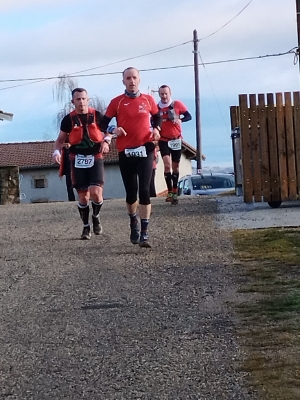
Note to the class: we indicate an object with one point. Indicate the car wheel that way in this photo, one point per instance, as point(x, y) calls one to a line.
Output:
point(274, 204)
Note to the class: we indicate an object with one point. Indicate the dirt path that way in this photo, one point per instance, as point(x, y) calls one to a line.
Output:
point(103, 319)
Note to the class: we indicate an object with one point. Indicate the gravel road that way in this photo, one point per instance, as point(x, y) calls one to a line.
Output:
point(233, 213)
point(104, 319)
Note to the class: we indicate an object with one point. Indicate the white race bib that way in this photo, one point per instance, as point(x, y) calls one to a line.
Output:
point(84, 161)
point(137, 152)
point(175, 144)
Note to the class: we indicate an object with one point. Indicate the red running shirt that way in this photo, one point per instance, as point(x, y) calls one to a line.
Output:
point(133, 115)
point(169, 130)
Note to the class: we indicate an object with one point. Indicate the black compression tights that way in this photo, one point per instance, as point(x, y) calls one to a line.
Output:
point(136, 174)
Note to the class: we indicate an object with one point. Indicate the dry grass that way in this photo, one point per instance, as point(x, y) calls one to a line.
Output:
point(269, 264)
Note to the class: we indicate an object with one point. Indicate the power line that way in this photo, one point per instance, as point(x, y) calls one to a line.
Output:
point(227, 23)
point(38, 80)
point(74, 74)
point(132, 58)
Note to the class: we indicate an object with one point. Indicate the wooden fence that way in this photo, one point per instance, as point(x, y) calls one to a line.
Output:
point(270, 146)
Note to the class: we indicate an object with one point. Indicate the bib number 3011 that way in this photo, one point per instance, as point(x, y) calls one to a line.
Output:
point(84, 161)
point(174, 144)
point(137, 152)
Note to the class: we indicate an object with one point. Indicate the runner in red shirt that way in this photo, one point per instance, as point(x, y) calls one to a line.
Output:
point(173, 113)
point(135, 143)
point(81, 128)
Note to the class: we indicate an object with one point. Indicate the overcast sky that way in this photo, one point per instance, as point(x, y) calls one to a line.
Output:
point(43, 39)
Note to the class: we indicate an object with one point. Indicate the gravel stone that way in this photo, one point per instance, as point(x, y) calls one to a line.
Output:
point(105, 319)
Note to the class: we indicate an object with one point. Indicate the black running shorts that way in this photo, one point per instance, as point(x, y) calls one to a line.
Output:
point(166, 151)
point(83, 178)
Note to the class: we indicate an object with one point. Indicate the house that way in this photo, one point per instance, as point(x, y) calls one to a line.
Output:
point(39, 180)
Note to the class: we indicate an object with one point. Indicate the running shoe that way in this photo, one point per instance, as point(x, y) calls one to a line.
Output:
point(97, 227)
point(174, 199)
point(144, 240)
point(134, 234)
point(169, 197)
point(86, 233)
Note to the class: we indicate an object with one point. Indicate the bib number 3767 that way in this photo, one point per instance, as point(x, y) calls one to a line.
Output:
point(136, 152)
point(84, 161)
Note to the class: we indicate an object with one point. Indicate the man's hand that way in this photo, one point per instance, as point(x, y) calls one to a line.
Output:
point(56, 157)
point(104, 147)
point(155, 134)
point(177, 121)
point(119, 131)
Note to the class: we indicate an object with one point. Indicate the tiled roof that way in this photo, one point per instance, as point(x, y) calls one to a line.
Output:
point(39, 154)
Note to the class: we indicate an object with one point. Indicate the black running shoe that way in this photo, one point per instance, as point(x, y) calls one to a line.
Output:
point(134, 234)
point(144, 240)
point(86, 233)
point(97, 227)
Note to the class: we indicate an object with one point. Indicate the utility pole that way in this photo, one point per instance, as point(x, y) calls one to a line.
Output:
point(197, 102)
point(298, 27)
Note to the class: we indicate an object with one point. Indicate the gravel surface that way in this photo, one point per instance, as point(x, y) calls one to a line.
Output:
point(104, 319)
point(235, 214)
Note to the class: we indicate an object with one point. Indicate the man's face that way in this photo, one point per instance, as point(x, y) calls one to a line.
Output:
point(80, 101)
point(131, 80)
point(165, 94)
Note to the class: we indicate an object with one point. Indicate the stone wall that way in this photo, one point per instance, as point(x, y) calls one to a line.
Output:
point(9, 185)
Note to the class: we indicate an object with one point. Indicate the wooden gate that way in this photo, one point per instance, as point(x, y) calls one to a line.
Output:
point(270, 146)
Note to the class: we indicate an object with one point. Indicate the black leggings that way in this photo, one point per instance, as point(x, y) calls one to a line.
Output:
point(136, 174)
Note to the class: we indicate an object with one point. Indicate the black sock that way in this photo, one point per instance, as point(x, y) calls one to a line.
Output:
point(175, 177)
point(96, 208)
point(133, 219)
point(168, 179)
point(144, 225)
point(84, 211)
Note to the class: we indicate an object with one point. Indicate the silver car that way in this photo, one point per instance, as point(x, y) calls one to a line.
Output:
point(206, 184)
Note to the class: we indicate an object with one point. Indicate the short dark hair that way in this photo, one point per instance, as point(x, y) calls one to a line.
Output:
point(78, 89)
point(127, 69)
point(164, 87)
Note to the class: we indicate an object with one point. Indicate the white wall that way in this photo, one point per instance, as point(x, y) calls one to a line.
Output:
point(55, 191)
point(185, 168)
point(113, 187)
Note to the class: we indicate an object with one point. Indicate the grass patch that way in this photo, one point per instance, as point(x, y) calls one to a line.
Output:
point(268, 262)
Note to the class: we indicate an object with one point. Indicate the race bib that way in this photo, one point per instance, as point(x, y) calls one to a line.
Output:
point(175, 144)
point(84, 161)
point(137, 152)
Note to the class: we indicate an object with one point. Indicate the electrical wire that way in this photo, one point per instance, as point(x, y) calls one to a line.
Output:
point(227, 23)
point(74, 74)
point(38, 80)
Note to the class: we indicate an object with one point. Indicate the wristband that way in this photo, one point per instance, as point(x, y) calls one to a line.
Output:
point(110, 128)
point(107, 139)
point(56, 153)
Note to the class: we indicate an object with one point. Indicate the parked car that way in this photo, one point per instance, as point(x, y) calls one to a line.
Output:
point(206, 184)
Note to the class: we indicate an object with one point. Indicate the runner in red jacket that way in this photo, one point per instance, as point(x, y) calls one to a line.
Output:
point(135, 143)
point(173, 113)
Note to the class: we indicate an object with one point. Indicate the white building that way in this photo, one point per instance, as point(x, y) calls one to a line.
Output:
point(39, 180)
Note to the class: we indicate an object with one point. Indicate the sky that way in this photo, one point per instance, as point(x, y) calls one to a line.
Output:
point(97, 39)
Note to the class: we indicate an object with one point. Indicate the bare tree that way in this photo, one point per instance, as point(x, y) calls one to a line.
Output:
point(62, 94)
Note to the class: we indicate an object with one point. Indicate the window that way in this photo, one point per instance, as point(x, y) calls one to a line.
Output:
point(185, 184)
point(180, 185)
point(39, 183)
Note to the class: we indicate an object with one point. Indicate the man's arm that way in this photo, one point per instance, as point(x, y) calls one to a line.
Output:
point(186, 117)
point(58, 145)
point(156, 122)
